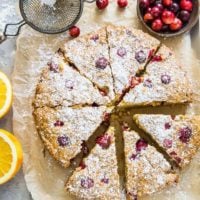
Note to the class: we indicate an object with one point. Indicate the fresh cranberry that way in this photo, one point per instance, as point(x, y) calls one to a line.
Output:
point(135, 81)
point(186, 5)
point(148, 83)
point(74, 31)
point(122, 3)
point(87, 182)
point(101, 63)
point(104, 141)
point(157, 58)
point(165, 28)
point(185, 134)
point(141, 144)
point(167, 2)
point(140, 56)
point(63, 141)
point(133, 156)
point(168, 17)
point(156, 12)
point(95, 37)
point(176, 24)
point(59, 123)
point(148, 10)
point(152, 1)
point(157, 25)
point(144, 4)
point(69, 84)
point(167, 125)
point(105, 180)
point(84, 148)
point(53, 67)
point(184, 15)
point(166, 79)
point(121, 52)
point(167, 143)
point(82, 165)
point(159, 5)
point(174, 7)
point(102, 4)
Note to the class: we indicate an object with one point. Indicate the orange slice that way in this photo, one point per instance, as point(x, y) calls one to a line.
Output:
point(11, 156)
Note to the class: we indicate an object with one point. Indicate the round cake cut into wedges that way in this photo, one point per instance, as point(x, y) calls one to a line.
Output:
point(77, 92)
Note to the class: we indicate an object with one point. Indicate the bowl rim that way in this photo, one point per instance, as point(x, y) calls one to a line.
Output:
point(168, 35)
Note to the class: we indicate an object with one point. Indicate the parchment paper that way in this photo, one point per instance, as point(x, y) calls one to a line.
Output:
point(44, 177)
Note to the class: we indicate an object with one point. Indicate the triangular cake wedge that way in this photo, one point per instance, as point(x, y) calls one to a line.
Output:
point(64, 129)
point(164, 82)
point(90, 55)
point(147, 171)
point(97, 177)
point(130, 50)
point(60, 84)
point(179, 136)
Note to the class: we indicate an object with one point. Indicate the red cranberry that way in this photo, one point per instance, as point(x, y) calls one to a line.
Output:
point(148, 83)
point(174, 7)
point(122, 3)
point(105, 180)
point(144, 4)
point(82, 165)
point(166, 79)
point(102, 4)
point(133, 156)
point(121, 52)
point(59, 123)
point(167, 143)
point(167, 125)
point(151, 1)
point(104, 141)
point(156, 12)
point(157, 25)
point(168, 17)
point(141, 144)
point(74, 31)
point(148, 17)
point(184, 15)
point(185, 134)
point(63, 141)
point(87, 182)
point(157, 58)
point(148, 10)
point(53, 67)
point(84, 148)
point(140, 56)
point(135, 81)
point(186, 5)
point(176, 24)
point(165, 28)
point(101, 63)
point(159, 5)
point(167, 2)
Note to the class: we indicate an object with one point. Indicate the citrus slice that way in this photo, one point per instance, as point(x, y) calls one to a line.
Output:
point(5, 94)
point(10, 156)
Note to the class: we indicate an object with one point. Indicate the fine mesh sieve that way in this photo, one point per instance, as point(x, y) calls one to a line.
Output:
point(50, 19)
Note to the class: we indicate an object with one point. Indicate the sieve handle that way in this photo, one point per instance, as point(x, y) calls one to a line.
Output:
point(7, 34)
point(89, 1)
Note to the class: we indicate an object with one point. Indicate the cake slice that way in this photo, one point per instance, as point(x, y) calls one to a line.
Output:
point(164, 82)
point(147, 171)
point(63, 129)
point(179, 136)
point(89, 54)
point(130, 50)
point(61, 84)
point(97, 177)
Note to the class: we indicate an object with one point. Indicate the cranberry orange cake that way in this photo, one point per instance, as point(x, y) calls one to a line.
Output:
point(147, 171)
point(179, 136)
point(64, 129)
point(130, 50)
point(164, 82)
point(97, 177)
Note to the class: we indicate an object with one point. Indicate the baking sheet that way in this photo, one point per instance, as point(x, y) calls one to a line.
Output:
point(44, 177)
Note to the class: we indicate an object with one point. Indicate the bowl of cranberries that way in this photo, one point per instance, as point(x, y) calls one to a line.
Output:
point(168, 18)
